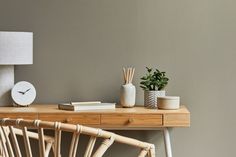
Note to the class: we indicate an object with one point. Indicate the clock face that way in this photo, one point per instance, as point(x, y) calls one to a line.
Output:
point(23, 93)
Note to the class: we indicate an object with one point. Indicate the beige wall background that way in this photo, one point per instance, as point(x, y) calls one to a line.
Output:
point(80, 47)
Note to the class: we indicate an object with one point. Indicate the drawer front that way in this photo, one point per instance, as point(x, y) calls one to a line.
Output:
point(176, 120)
point(84, 119)
point(30, 116)
point(135, 120)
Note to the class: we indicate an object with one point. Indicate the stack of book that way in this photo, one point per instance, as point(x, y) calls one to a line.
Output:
point(82, 106)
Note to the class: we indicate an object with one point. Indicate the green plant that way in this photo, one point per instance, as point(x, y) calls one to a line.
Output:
point(154, 80)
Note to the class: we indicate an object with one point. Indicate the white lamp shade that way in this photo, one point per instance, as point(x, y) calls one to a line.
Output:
point(16, 48)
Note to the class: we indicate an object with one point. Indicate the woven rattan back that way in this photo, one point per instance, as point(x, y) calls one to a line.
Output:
point(10, 128)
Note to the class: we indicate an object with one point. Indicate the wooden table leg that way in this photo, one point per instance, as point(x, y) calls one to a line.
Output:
point(167, 142)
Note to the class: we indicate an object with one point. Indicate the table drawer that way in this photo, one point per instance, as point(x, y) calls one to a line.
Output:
point(30, 116)
point(92, 119)
point(176, 120)
point(135, 120)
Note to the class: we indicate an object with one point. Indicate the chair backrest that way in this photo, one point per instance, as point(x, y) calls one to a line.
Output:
point(10, 128)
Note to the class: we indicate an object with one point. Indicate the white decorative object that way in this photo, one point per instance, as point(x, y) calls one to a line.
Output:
point(150, 98)
point(23, 93)
point(16, 48)
point(128, 93)
point(128, 90)
point(168, 102)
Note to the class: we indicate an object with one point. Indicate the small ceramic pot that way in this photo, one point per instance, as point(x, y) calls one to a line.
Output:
point(127, 95)
point(168, 102)
point(150, 98)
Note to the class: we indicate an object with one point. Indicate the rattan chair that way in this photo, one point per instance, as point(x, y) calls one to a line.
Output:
point(12, 127)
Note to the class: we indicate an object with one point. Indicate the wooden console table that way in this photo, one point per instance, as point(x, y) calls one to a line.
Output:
point(137, 118)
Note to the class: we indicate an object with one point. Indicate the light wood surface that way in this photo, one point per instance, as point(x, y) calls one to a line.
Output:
point(73, 118)
point(131, 120)
point(120, 118)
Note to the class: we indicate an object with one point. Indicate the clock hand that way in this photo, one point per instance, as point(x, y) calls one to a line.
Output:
point(27, 90)
point(21, 92)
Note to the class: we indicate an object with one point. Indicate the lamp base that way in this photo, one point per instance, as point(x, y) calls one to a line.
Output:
point(6, 84)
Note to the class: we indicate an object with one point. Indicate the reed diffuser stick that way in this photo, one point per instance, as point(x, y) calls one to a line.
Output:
point(132, 76)
point(128, 74)
point(124, 74)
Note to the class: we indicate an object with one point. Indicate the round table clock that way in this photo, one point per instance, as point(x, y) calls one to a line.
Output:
point(23, 93)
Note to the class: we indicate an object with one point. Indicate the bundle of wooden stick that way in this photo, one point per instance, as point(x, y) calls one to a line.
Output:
point(128, 75)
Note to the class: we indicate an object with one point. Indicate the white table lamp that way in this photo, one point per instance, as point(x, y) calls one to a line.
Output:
point(16, 48)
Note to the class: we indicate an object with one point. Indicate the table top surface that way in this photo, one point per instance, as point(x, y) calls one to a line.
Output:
point(137, 117)
point(53, 108)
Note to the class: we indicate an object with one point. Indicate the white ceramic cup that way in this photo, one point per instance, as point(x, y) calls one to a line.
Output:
point(168, 102)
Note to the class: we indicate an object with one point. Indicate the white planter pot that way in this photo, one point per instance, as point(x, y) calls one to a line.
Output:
point(127, 95)
point(150, 98)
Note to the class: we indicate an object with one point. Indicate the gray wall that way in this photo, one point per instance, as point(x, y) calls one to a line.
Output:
point(80, 47)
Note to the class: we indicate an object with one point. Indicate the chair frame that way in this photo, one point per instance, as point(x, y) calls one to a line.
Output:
point(20, 127)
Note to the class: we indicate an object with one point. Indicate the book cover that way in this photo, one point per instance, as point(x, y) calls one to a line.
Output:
point(81, 106)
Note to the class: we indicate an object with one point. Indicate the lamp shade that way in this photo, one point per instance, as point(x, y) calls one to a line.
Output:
point(16, 48)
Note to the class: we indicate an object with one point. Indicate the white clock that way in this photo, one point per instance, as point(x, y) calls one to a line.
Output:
point(23, 93)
